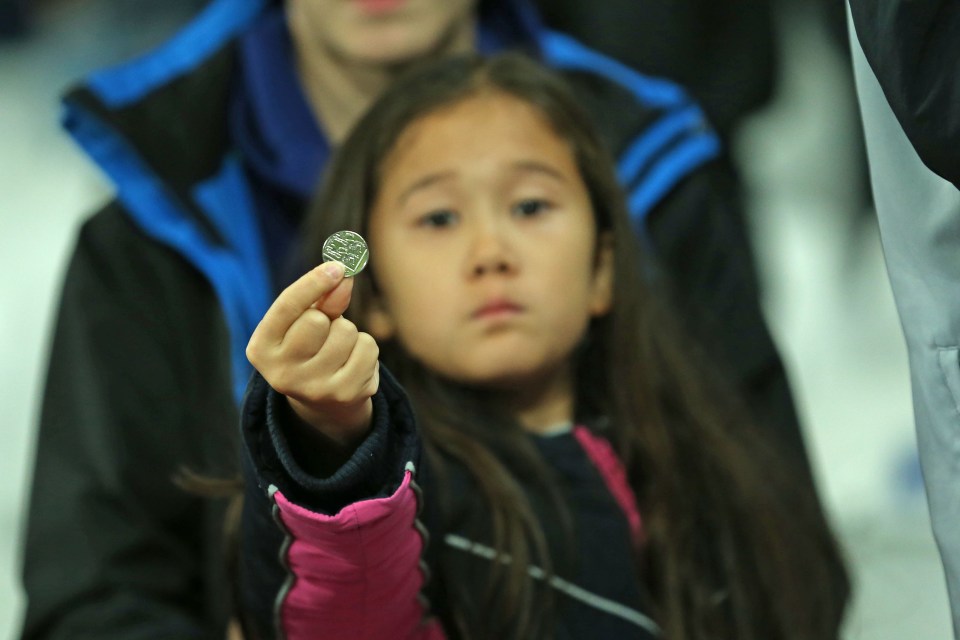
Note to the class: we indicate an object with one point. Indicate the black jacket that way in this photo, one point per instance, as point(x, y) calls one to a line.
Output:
point(165, 285)
point(724, 53)
point(914, 50)
point(386, 532)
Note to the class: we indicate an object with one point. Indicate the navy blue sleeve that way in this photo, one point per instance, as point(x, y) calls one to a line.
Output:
point(375, 469)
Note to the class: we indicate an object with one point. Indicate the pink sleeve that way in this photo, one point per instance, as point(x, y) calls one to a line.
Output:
point(356, 574)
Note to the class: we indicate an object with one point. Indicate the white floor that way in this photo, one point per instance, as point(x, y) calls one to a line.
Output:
point(827, 300)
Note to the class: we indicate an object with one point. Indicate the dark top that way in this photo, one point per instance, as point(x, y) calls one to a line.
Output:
point(599, 563)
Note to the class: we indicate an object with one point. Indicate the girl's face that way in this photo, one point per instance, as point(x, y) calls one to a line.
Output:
point(485, 248)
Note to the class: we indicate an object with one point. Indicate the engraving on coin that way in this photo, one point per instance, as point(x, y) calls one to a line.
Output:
point(349, 248)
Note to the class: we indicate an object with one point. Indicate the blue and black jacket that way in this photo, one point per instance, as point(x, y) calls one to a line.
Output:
point(167, 282)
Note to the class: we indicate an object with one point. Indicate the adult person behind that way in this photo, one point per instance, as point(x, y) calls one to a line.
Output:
point(214, 142)
point(723, 53)
point(907, 66)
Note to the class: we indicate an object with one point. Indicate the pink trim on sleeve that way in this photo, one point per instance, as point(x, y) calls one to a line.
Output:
point(356, 574)
point(615, 476)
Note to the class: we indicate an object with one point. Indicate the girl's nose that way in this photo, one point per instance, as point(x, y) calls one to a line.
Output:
point(492, 253)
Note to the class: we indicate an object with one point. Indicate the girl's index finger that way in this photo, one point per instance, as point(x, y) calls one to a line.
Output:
point(310, 288)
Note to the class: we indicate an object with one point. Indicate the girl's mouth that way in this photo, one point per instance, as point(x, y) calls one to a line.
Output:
point(498, 308)
point(379, 7)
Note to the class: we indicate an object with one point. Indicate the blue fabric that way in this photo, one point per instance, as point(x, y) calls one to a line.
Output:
point(271, 121)
point(647, 146)
point(236, 271)
point(565, 52)
point(218, 23)
point(667, 173)
point(274, 128)
point(240, 275)
point(661, 156)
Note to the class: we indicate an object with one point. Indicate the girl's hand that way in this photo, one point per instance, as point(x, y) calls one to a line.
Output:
point(307, 351)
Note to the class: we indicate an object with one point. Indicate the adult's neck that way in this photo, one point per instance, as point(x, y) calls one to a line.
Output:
point(340, 89)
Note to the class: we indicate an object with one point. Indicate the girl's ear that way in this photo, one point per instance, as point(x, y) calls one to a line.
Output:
point(378, 320)
point(602, 296)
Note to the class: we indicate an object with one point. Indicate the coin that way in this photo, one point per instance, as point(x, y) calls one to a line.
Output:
point(349, 248)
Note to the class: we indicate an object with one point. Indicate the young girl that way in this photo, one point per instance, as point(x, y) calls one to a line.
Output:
point(542, 454)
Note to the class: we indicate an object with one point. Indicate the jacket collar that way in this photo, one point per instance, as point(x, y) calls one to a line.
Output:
point(271, 121)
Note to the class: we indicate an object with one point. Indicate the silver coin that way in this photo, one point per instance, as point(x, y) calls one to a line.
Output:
point(349, 248)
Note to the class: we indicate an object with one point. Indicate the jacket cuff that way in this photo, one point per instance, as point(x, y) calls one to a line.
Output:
point(374, 470)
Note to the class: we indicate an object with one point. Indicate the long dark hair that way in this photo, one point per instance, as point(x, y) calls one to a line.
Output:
point(736, 543)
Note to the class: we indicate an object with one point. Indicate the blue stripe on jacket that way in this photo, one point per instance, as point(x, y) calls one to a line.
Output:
point(667, 172)
point(220, 21)
point(238, 271)
point(683, 118)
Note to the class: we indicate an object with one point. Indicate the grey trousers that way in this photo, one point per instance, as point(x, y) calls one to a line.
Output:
point(919, 215)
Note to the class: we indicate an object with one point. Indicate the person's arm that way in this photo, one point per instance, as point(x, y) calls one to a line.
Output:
point(913, 48)
point(113, 547)
point(918, 213)
point(340, 552)
point(329, 534)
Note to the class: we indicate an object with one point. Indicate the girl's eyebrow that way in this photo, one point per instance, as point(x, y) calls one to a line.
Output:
point(536, 166)
point(422, 183)
point(521, 166)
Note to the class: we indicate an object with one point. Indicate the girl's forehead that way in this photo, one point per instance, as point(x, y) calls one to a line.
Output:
point(487, 119)
point(466, 112)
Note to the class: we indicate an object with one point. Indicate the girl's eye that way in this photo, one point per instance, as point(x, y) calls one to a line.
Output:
point(530, 208)
point(441, 218)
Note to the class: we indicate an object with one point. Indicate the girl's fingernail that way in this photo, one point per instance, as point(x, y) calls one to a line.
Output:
point(334, 270)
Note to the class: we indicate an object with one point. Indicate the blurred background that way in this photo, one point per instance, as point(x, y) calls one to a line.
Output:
point(826, 292)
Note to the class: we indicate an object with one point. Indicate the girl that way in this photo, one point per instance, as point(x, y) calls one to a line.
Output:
point(543, 454)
